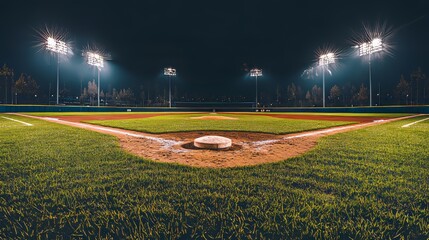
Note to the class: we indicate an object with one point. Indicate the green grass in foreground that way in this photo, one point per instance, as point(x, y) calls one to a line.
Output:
point(60, 182)
point(249, 123)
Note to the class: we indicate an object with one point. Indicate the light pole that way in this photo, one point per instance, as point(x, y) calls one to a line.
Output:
point(324, 61)
point(256, 72)
point(170, 72)
point(60, 48)
point(368, 48)
point(96, 60)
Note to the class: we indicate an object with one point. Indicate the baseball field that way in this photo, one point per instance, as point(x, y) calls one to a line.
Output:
point(286, 176)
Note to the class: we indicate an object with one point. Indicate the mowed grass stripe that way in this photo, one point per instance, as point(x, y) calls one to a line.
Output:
point(60, 182)
point(248, 123)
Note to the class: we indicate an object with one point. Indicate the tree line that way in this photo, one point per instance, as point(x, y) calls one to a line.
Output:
point(411, 89)
point(24, 89)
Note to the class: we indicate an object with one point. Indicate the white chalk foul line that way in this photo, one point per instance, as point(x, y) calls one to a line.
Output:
point(309, 134)
point(25, 123)
point(410, 124)
point(165, 142)
point(327, 131)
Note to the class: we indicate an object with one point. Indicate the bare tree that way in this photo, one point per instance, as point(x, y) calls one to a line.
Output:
point(26, 86)
point(92, 91)
point(363, 94)
point(103, 96)
point(84, 96)
point(278, 94)
point(7, 74)
point(417, 75)
point(334, 94)
point(308, 97)
point(403, 90)
point(291, 93)
point(317, 94)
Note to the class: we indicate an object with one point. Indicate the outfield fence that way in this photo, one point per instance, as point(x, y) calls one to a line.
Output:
point(47, 108)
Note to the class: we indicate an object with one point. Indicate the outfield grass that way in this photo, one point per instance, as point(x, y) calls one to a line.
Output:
point(60, 182)
point(248, 123)
point(340, 114)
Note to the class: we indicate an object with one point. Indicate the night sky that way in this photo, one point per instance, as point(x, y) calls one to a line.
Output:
point(211, 43)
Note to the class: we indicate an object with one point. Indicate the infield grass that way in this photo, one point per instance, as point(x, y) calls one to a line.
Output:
point(61, 182)
point(247, 123)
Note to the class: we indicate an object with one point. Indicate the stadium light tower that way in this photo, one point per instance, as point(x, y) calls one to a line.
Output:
point(60, 48)
point(324, 61)
point(256, 72)
point(367, 49)
point(170, 72)
point(96, 60)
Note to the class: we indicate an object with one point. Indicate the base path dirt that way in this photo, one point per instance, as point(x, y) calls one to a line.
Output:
point(247, 148)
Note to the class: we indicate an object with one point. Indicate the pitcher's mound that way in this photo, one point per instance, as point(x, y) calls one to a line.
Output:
point(214, 118)
point(212, 142)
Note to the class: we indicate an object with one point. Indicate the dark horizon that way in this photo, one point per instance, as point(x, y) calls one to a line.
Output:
point(211, 44)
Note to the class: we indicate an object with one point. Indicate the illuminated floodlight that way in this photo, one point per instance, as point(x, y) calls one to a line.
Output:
point(169, 71)
point(326, 59)
point(367, 49)
point(376, 45)
point(60, 48)
point(95, 59)
point(57, 46)
point(256, 72)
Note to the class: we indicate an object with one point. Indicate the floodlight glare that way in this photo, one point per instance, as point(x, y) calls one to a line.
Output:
point(367, 49)
point(95, 59)
point(170, 72)
point(326, 59)
point(58, 47)
point(376, 45)
point(256, 72)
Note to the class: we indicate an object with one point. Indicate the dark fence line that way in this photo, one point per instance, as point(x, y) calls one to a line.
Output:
point(46, 108)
